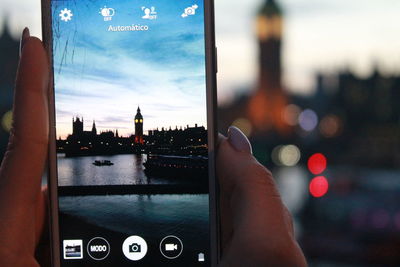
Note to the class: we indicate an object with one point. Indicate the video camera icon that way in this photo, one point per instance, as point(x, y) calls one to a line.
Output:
point(171, 247)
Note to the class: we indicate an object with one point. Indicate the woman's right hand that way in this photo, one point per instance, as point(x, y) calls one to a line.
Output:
point(257, 228)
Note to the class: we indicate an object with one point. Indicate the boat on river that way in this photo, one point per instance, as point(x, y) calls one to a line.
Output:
point(100, 163)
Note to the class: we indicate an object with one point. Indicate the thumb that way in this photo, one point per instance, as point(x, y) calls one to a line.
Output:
point(23, 164)
point(252, 213)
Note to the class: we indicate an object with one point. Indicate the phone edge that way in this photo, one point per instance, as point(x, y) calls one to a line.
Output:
point(211, 87)
point(52, 156)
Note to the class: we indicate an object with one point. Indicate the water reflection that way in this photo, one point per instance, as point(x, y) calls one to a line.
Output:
point(127, 169)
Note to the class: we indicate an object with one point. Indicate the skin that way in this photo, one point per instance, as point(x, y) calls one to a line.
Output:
point(257, 229)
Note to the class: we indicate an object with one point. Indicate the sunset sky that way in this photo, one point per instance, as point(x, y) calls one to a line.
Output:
point(326, 35)
point(104, 75)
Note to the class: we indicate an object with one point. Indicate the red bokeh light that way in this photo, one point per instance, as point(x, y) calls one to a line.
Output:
point(317, 163)
point(319, 186)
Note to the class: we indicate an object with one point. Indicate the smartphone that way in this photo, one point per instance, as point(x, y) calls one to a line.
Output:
point(133, 132)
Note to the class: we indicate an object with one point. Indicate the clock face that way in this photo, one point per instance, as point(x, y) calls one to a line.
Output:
point(136, 120)
point(141, 121)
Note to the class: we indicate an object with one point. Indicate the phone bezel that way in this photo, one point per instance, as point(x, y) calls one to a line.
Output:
point(211, 87)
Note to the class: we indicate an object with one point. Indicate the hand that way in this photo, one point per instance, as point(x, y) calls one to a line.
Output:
point(257, 228)
point(22, 201)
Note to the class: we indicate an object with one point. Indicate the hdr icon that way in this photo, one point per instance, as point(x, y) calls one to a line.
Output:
point(98, 248)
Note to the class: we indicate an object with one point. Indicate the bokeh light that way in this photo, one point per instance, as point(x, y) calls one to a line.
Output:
point(330, 126)
point(6, 121)
point(289, 155)
point(293, 186)
point(244, 125)
point(275, 155)
point(319, 186)
point(317, 163)
point(291, 114)
point(308, 120)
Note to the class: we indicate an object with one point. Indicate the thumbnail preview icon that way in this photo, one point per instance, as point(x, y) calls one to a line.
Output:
point(73, 249)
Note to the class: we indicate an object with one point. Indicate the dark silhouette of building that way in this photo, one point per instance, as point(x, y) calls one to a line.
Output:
point(180, 142)
point(263, 107)
point(94, 130)
point(187, 141)
point(139, 128)
point(9, 48)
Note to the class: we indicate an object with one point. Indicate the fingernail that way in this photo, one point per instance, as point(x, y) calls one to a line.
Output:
point(239, 140)
point(25, 35)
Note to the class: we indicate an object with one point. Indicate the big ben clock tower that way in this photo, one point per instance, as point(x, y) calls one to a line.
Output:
point(267, 104)
point(269, 33)
point(139, 128)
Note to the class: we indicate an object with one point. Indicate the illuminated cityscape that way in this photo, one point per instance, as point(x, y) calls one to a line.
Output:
point(183, 141)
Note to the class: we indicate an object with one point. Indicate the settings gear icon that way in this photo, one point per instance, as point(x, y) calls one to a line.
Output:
point(66, 15)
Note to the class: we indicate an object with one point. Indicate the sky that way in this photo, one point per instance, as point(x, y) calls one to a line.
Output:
point(319, 35)
point(104, 75)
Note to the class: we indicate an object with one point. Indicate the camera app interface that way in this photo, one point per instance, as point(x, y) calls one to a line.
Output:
point(131, 125)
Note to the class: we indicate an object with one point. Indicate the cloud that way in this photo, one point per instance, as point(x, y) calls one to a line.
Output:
point(105, 78)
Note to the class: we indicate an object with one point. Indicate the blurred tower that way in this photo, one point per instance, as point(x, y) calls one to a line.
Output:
point(139, 128)
point(267, 104)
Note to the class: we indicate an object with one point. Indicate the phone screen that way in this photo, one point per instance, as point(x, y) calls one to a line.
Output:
point(132, 136)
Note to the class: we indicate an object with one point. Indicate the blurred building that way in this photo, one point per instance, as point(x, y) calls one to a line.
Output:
point(9, 48)
point(260, 112)
point(358, 118)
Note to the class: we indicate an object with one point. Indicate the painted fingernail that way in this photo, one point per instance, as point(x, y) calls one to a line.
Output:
point(25, 35)
point(239, 140)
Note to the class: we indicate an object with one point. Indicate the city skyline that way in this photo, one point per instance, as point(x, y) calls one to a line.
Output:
point(88, 124)
point(96, 78)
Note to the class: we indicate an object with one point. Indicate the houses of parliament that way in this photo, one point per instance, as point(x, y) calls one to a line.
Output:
point(182, 141)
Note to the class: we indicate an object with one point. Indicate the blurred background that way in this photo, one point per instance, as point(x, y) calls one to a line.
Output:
point(315, 85)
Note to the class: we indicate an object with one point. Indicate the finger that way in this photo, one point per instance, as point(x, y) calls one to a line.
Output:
point(247, 187)
point(24, 160)
point(252, 206)
point(23, 164)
